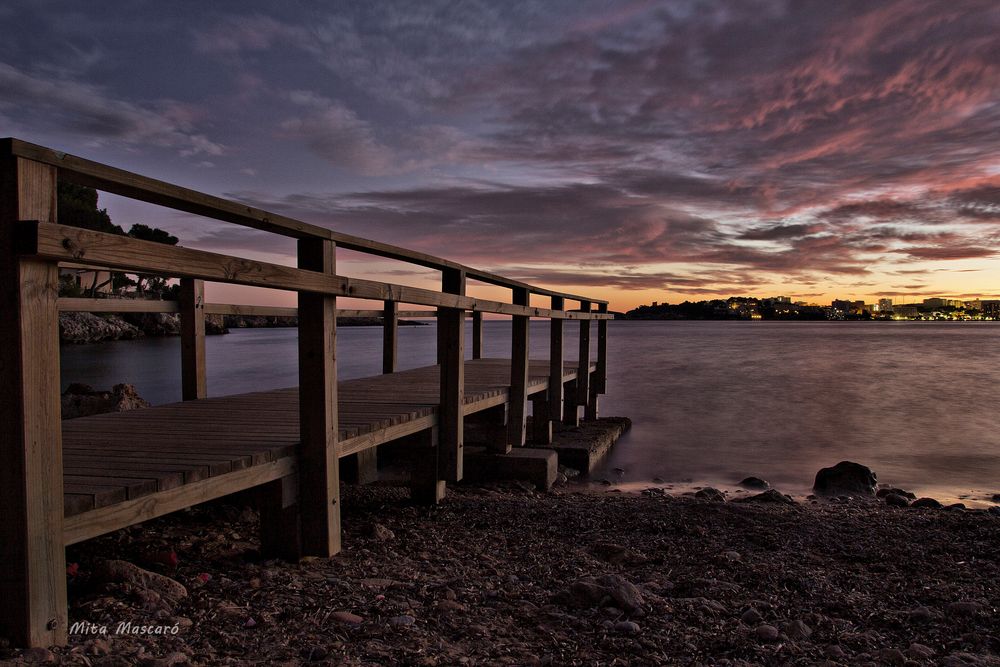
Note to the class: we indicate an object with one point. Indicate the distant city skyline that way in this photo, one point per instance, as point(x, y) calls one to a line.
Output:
point(693, 148)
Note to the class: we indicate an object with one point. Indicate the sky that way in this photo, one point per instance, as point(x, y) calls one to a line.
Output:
point(633, 151)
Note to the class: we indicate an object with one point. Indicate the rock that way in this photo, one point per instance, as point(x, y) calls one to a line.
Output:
point(796, 630)
point(381, 533)
point(38, 655)
point(892, 656)
point(91, 328)
point(627, 627)
point(313, 653)
point(81, 400)
point(751, 617)
point(732, 556)
point(599, 591)
point(169, 660)
point(920, 615)
point(612, 553)
point(769, 496)
point(766, 633)
point(994, 510)
point(896, 500)
point(919, 652)
point(403, 620)
point(447, 605)
point(754, 483)
point(883, 492)
point(346, 618)
point(120, 571)
point(711, 494)
point(996, 497)
point(846, 477)
point(956, 507)
point(834, 651)
point(926, 503)
point(964, 608)
point(155, 324)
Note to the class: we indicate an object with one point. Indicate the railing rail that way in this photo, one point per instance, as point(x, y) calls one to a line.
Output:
point(300, 515)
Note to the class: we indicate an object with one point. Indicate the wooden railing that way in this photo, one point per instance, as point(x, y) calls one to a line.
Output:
point(33, 245)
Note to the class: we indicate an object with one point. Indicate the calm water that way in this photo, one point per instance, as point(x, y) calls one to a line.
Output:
point(711, 402)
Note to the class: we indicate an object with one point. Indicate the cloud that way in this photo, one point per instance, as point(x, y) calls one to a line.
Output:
point(86, 110)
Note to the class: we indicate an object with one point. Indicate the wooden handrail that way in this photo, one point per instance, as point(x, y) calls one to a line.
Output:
point(143, 188)
point(63, 243)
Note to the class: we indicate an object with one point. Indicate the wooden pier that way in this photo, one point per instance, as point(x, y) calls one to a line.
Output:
point(63, 482)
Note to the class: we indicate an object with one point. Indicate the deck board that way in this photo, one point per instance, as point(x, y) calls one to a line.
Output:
point(112, 458)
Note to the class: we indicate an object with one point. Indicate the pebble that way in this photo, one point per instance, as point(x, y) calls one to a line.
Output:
point(796, 630)
point(896, 500)
point(751, 617)
point(38, 655)
point(892, 656)
point(927, 503)
point(919, 651)
point(766, 633)
point(313, 653)
point(920, 615)
point(627, 627)
point(450, 605)
point(732, 556)
point(754, 483)
point(346, 617)
point(996, 497)
point(964, 608)
point(381, 533)
point(711, 494)
point(169, 660)
point(834, 651)
point(402, 620)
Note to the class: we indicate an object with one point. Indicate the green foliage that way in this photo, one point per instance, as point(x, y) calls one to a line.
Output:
point(77, 207)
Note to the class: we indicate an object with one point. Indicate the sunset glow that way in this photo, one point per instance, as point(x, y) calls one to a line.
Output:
point(641, 152)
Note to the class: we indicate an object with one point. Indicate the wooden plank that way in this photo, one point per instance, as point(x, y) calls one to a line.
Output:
point(319, 481)
point(556, 363)
point(191, 300)
point(583, 370)
point(60, 243)
point(518, 416)
point(451, 353)
point(97, 522)
point(571, 411)
point(33, 579)
point(477, 335)
point(66, 304)
point(390, 337)
point(541, 420)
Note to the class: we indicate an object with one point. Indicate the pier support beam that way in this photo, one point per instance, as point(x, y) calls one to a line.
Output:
point(477, 334)
point(541, 422)
point(555, 392)
point(278, 502)
point(599, 380)
point(517, 420)
point(583, 369)
point(426, 485)
point(571, 411)
point(191, 301)
point(319, 474)
point(390, 337)
point(451, 357)
point(33, 575)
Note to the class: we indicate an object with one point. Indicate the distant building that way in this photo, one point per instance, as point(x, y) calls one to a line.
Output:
point(884, 305)
point(781, 299)
point(906, 310)
point(991, 308)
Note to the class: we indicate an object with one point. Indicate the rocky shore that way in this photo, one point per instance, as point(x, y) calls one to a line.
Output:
point(505, 575)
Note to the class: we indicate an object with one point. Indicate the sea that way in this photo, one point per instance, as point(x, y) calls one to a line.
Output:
point(710, 402)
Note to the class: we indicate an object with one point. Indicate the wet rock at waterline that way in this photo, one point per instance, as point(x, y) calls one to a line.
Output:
point(81, 400)
point(846, 478)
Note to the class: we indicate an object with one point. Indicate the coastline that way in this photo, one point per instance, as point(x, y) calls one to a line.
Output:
point(501, 574)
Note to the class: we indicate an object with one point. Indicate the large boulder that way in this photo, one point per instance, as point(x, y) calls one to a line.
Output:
point(81, 400)
point(846, 478)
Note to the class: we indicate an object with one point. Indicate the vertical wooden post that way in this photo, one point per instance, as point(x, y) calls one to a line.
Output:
point(599, 382)
point(518, 416)
point(541, 422)
point(583, 369)
point(571, 411)
point(426, 485)
point(33, 576)
point(390, 336)
point(555, 391)
point(280, 535)
point(191, 301)
point(477, 334)
point(451, 357)
point(319, 475)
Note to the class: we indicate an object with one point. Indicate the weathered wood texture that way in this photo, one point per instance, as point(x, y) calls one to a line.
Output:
point(583, 377)
point(191, 303)
point(477, 335)
point(451, 358)
point(179, 446)
point(60, 243)
point(319, 483)
point(390, 337)
point(556, 354)
point(32, 579)
point(518, 416)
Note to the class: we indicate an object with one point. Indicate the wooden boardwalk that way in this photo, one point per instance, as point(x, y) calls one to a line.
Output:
point(63, 482)
point(113, 458)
